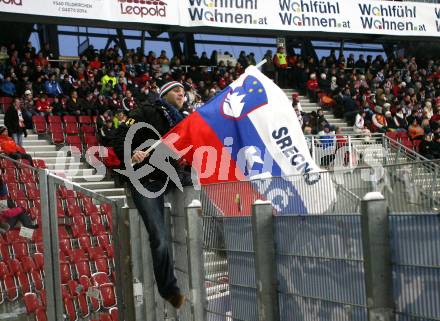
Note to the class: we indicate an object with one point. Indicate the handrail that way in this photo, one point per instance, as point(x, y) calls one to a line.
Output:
point(76, 187)
point(63, 181)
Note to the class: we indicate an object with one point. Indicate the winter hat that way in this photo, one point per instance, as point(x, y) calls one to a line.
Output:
point(168, 86)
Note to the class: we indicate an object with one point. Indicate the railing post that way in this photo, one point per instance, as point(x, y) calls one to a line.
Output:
point(265, 261)
point(123, 262)
point(350, 152)
point(433, 188)
point(52, 280)
point(314, 149)
point(194, 229)
point(377, 262)
point(169, 312)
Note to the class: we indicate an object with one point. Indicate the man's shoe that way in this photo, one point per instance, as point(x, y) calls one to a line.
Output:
point(176, 300)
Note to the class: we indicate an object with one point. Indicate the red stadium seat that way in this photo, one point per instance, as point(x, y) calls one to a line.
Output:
point(65, 272)
point(23, 282)
point(86, 283)
point(88, 130)
point(84, 241)
point(407, 143)
point(54, 119)
point(99, 278)
point(79, 230)
point(108, 295)
point(71, 129)
point(5, 102)
point(105, 317)
point(64, 193)
point(91, 141)
point(70, 119)
point(77, 291)
point(90, 209)
point(20, 249)
point(57, 138)
point(39, 261)
point(98, 229)
point(40, 163)
point(31, 302)
point(114, 314)
point(39, 124)
point(74, 210)
point(40, 315)
point(75, 142)
point(10, 177)
point(56, 128)
point(8, 282)
point(69, 305)
point(85, 120)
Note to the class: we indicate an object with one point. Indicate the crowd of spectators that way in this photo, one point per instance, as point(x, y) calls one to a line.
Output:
point(373, 94)
point(398, 96)
point(104, 83)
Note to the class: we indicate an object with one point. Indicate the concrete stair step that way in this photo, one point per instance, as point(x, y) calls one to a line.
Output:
point(61, 166)
point(30, 137)
point(110, 191)
point(58, 160)
point(48, 154)
point(86, 178)
point(41, 148)
point(118, 197)
point(35, 142)
point(97, 185)
point(73, 172)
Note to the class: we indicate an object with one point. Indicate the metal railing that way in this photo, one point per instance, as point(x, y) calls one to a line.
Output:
point(321, 267)
point(56, 216)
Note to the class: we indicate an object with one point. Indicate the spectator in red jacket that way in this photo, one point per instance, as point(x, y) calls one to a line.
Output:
point(10, 215)
point(312, 87)
point(10, 148)
point(43, 106)
point(95, 63)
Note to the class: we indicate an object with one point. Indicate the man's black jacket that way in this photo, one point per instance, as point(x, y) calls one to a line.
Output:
point(153, 115)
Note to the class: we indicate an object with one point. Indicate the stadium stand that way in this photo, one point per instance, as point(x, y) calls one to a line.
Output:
point(399, 97)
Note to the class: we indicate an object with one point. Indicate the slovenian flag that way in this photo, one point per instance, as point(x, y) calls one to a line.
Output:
point(249, 134)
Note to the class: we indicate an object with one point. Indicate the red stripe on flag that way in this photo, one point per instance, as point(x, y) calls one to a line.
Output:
point(234, 198)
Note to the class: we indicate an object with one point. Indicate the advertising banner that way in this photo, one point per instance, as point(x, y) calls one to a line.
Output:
point(164, 12)
point(335, 16)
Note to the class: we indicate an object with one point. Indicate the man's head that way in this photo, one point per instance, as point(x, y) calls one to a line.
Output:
point(173, 93)
point(3, 131)
point(120, 114)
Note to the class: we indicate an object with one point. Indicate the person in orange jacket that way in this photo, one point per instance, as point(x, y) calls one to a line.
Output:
point(10, 148)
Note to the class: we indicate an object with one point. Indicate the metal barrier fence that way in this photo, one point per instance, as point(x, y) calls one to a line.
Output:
point(84, 241)
point(22, 250)
point(409, 188)
point(323, 267)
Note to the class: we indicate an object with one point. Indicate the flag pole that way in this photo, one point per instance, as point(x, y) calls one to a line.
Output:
point(261, 63)
point(150, 149)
